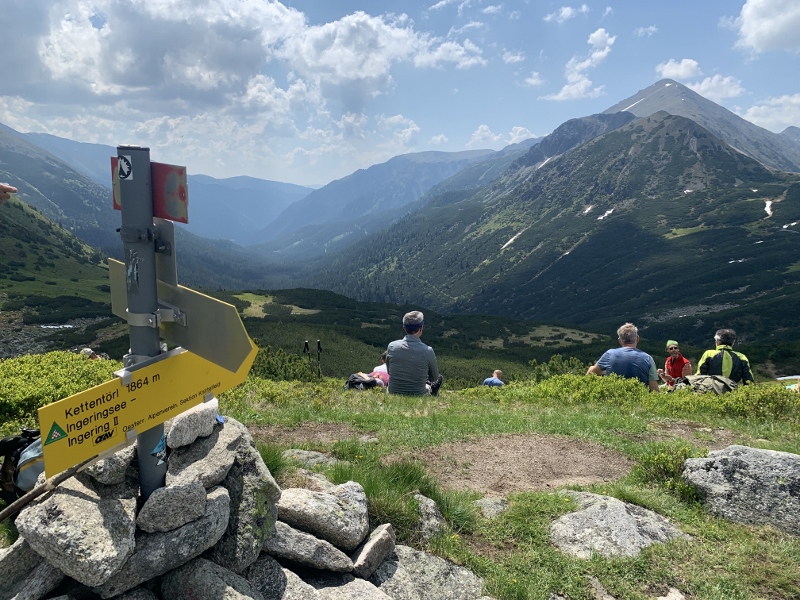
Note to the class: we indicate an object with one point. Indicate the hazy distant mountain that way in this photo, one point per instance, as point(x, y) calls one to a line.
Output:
point(793, 135)
point(769, 148)
point(485, 170)
point(658, 221)
point(233, 208)
point(372, 193)
point(58, 191)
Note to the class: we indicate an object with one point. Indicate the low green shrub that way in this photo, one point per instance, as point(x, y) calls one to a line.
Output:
point(662, 463)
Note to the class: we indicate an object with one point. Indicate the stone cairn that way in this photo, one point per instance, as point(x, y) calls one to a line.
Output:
point(220, 528)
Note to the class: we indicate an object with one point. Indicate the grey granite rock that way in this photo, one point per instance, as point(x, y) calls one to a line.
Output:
point(305, 549)
point(413, 575)
point(748, 485)
point(23, 573)
point(609, 527)
point(202, 579)
point(253, 493)
point(158, 553)
point(378, 547)
point(198, 421)
point(80, 533)
point(170, 507)
point(340, 517)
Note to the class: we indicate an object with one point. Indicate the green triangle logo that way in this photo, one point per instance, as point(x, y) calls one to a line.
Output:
point(56, 433)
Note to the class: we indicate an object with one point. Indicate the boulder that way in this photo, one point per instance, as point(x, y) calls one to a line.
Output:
point(23, 574)
point(198, 421)
point(345, 587)
point(432, 521)
point(609, 527)
point(492, 507)
point(748, 485)
point(253, 495)
point(413, 575)
point(307, 550)
point(112, 469)
point(208, 460)
point(168, 508)
point(82, 534)
point(202, 579)
point(274, 582)
point(158, 553)
point(369, 556)
point(310, 458)
point(339, 517)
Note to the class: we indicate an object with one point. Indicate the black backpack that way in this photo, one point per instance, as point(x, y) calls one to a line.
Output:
point(22, 464)
point(360, 381)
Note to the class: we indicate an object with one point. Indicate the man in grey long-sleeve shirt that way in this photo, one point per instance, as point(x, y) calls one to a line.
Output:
point(410, 362)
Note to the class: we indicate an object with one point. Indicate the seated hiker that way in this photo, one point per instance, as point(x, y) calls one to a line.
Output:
point(724, 360)
point(627, 361)
point(496, 380)
point(412, 366)
point(381, 372)
point(676, 366)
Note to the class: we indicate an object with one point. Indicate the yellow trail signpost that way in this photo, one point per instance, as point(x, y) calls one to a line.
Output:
point(101, 418)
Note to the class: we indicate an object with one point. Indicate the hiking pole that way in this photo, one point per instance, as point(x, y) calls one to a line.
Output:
point(319, 367)
point(308, 352)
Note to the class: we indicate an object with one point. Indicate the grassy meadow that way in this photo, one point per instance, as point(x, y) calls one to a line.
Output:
point(722, 560)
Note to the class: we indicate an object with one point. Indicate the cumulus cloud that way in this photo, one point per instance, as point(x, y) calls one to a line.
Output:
point(765, 25)
point(493, 9)
point(718, 88)
point(578, 83)
point(685, 69)
point(438, 140)
point(645, 31)
point(513, 57)
point(565, 13)
point(608, 11)
point(775, 114)
point(534, 80)
point(484, 137)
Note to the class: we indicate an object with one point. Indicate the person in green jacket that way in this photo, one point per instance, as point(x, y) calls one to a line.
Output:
point(723, 360)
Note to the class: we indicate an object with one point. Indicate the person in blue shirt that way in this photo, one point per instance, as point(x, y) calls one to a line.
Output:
point(628, 361)
point(496, 380)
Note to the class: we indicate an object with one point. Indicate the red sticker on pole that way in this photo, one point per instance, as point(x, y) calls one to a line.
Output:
point(169, 185)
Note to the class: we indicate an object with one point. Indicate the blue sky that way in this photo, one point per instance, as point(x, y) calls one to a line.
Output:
point(307, 91)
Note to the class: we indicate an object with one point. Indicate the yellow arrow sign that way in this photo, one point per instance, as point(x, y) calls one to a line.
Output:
point(212, 328)
point(107, 415)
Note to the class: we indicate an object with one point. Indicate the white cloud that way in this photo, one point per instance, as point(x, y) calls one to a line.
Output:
point(441, 4)
point(645, 31)
point(513, 57)
point(775, 114)
point(466, 27)
point(718, 88)
point(608, 11)
point(493, 9)
point(765, 25)
point(534, 80)
point(464, 55)
point(402, 130)
point(578, 83)
point(685, 69)
point(438, 140)
point(519, 134)
point(565, 13)
point(483, 137)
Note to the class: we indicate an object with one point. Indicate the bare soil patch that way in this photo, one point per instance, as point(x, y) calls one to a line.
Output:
point(505, 464)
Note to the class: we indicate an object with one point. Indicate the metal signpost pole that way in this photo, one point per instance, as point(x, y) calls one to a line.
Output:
point(137, 234)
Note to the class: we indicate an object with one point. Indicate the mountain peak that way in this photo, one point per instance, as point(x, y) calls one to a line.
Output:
point(771, 149)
